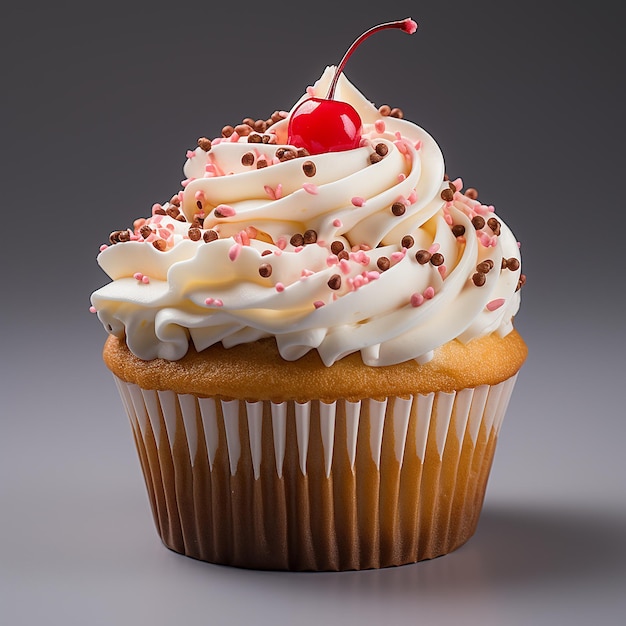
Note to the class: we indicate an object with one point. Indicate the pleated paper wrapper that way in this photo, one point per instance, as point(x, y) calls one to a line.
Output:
point(316, 486)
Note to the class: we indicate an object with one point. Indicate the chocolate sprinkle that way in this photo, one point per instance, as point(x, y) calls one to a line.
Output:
point(398, 208)
point(375, 158)
point(247, 159)
point(310, 236)
point(422, 256)
point(381, 149)
point(204, 143)
point(471, 193)
point(478, 222)
point(479, 279)
point(297, 240)
point(160, 244)
point(385, 110)
point(407, 241)
point(309, 169)
point(343, 255)
point(458, 230)
point(227, 131)
point(195, 234)
point(447, 195)
point(265, 270)
point(334, 282)
point(336, 247)
point(145, 231)
point(494, 224)
point(485, 266)
point(437, 259)
point(383, 263)
point(210, 235)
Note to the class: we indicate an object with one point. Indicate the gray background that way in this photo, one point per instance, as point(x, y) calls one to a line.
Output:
point(100, 103)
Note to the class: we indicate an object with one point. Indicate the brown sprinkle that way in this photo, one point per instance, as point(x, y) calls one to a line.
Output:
point(175, 200)
point(160, 244)
point(398, 208)
point(181, 218)
point(447, 195)
point(512, 264)
point(471, 193)
point(195, 234)
point(334, 282)
point(396, 112)
point(521, 282)
point(437, 259)
point(485, 266)
point(204, 143)
point(381, 149)
point(458, 230)
point(297, 240)
point(407, 241)
point(114, 237)
point(303, 152)
point(160, 211)
point(494, 224)
point(309, 169)
point(383, 263)
point(145, 231)
point(260, 126)
point(285, 154)
point(227, 131)
point(452, 186)
point(209, 235)
point(310, 236)
point(255, 138)
point(247, 159)
point(261, 163)
point(343, 255)
point(422, 256)
point(375, 158)
point(479, 279)
point(173, 211)
point(265, 270)
point(266, 252)
point(478, 222)
point(385, 110)
point(243, 130)
point(336, 247)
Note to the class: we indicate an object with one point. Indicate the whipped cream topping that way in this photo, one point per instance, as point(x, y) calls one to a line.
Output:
point(366, 250)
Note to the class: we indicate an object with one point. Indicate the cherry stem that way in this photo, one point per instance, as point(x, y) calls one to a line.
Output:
point(407, 25)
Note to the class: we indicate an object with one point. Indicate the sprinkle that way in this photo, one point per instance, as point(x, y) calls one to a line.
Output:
point(103, 247)
point(383, 263)
point(309, 169)
point(160, 244)
point(318, 304)
point(137, 275)
point(274, 194)
point(195, 234)
point(92, 309)
point(334, 282)
point(145, 231)
point(310, 188)
point(437, 259)
point(372, 275)
point(343, 255)
point(281, 243)
point(407, 242)
point(401, 177)
point(447, 195)
point(379, 126)
point(485, 266)
point(360, 257)
point(429, 293)
point(296, 240)
point(234, 251)
point(310, 236)
point(331, 260)
point(412, 199)
point(418, 144)
point(384, 109)
point(417, 299)
point(261, 163)
point(209, 235)
point(190, 154)
point(344, 266)
point(458, 230)
point(478, 222)
point(434, 248)
point(495, 304)
point(247, 159)
point(265, 270)
point(479, 279)
point(280, 287)
point(512, 264)
point(204, 143)
point(397, 256)
point(223, 210)
point(305, 273)
point(145, 280)
point(443, 270)
point(456, 184)
point(337, 223)
point(398, 209)
point(358, 201)
point(471, 193)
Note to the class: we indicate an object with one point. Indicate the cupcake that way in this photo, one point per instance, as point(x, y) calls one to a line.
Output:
point(313, 341)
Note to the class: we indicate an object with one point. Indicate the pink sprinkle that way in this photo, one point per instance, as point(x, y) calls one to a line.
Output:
point(252, 232)
point(417, 299)
point(310, 188)
point(318, 304)
point(331, 260)
point(458, 184)
point(92, 309)
point(234, 137)
point(155, 207)
point(495, 304)
point(103, 247)
point(485, 239)
point(280, 287)
point(234, 251)
point(412, 197)
point(199, 195)
point(277, 252)
point(448, 218)
point(379, 125)
point(397, 256)
point(310, 91)
point(185, 182)
point(306, 273)
point(360, 257)
point(298, 249)
point(344, 266)
point(218, 302)
point(337, 223)
point(137, 275)
point(169, 227)
point(209, 301)
point(281, 243)
point(442, 270)
point(429, 293)
point(401, 177)
point(418, 144)
point(434, 248)
point(145, 280)
point(358, 201)
point(401, 145)
point(157, 219)
point(190, 154)
point(274, 194)
point(223, 210)
point(165, 233)
point(373, 275)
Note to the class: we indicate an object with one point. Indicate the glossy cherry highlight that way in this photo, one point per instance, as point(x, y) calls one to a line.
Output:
point(327, 125)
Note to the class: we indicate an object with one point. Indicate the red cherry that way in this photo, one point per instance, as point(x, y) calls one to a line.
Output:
point(327, 125)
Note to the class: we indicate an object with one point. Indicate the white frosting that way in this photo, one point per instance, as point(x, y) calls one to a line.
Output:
point(211, 292)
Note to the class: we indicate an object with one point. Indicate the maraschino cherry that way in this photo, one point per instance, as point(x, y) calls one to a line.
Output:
point(327, 125)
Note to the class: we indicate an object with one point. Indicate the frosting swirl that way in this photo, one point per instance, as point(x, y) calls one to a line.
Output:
point(366, 250)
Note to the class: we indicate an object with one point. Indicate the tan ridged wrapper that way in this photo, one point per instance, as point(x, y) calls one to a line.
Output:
point(283, 475)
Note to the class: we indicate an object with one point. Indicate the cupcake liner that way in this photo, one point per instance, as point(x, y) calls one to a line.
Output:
point(316, 486)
